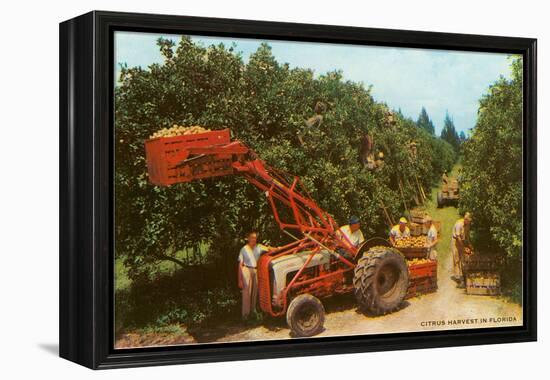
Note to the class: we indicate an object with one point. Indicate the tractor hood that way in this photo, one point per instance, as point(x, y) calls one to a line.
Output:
point(284, 265)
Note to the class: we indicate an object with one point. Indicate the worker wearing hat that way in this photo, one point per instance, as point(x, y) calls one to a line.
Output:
point(352, 233)
point(431, 238)
point(248, 278)
point(460, 239)
point(400, 231)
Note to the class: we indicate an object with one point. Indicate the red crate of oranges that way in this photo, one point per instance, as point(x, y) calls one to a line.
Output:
point(168, 163)
point(422, 268)
point(422, 277)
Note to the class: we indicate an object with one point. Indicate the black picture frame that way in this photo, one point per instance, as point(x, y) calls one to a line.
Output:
point(86, 189)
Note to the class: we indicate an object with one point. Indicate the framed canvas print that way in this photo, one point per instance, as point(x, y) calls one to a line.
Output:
point(236, 189)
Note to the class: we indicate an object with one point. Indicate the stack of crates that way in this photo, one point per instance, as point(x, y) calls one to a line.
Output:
point(483, 283)
point(422, 272)
point(417, 222)
point(482, 274)
point(418, 216)
point(422, 277)
point(416, 229)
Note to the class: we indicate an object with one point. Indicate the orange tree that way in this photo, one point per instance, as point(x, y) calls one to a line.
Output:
point(492, 187)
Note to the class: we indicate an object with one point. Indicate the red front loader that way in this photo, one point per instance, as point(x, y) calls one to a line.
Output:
point(320, 262)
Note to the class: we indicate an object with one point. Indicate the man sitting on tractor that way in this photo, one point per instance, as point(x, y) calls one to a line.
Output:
point(400, 231)
point(248, 278)
point(352, 232)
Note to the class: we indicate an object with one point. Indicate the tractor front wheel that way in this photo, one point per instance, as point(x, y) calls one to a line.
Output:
point(381, 280)
point(305, 315)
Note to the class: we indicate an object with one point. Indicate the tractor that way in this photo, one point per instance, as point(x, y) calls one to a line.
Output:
point(449, 194)
point(319, 262)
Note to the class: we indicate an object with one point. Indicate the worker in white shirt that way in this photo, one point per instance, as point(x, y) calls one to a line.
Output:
point(352, 232)
point(459, 240)
point(400, 231)
point(248, 277)
point(431, 238)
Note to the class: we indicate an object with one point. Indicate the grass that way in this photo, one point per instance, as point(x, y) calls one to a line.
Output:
point(172, 329)
point(446, 215)
point(123, 282)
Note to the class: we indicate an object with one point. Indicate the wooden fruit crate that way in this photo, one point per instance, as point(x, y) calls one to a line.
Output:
point(421, 270)
point(418, 216)
point(483, 283)
point(422, 278)
point(414, 252)
point(481, 263)
point(420, 286)
point(165, 154)
point(416, 229)
point(421, 229)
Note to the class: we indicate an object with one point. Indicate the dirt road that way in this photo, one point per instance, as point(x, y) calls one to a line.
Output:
point(448, 308)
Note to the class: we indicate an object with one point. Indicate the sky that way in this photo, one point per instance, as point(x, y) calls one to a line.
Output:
point(404, 78)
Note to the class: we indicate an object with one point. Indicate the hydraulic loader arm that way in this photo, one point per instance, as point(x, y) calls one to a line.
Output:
point(197, 159)
point(279, 188)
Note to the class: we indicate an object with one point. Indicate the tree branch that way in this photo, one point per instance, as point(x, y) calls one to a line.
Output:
point(170, 258)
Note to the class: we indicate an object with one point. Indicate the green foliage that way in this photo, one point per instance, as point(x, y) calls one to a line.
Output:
point(265, 104)
point(444, 156)
point(492, 162)
point(425, 122)
point(193, 296)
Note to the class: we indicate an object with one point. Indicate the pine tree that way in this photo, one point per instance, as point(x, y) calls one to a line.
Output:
point(449, 134)
point(424, 122)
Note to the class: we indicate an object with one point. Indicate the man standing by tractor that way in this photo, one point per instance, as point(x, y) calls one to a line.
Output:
point(400, 231)
point(248, 277)
point(459, 240)
point(352, 232)
point(431, 238)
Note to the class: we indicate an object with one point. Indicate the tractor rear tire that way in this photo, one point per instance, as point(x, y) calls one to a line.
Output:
point(440, 200)
point(381, 280)
point(305, 316)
